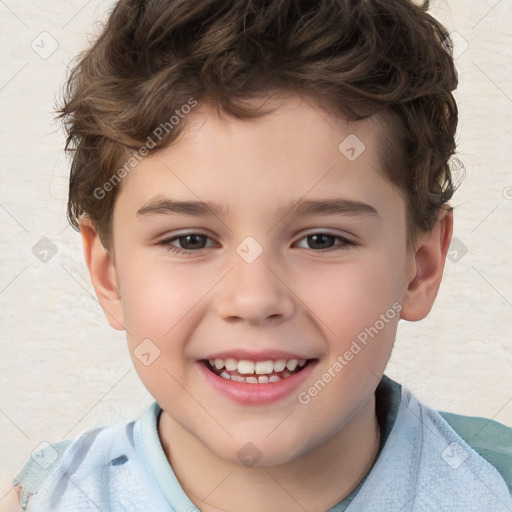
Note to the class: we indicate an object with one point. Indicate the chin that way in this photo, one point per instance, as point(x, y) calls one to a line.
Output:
point(260, 453)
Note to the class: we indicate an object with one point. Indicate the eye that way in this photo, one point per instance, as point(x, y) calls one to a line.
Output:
point(190, 243)
point(325, 241)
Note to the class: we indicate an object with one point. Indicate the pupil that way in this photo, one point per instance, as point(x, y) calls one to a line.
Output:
point(315, 239)
point(195, 239)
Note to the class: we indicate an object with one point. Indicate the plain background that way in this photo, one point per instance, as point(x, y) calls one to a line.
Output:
point(64, 370)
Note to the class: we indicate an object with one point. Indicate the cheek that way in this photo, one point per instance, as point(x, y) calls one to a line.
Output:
point(159, 305)
point(158, 297)
point(348, 297)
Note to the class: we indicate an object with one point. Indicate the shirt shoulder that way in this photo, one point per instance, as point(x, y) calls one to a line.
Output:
point(109, 471)
point(490, 439)
point(37, 469)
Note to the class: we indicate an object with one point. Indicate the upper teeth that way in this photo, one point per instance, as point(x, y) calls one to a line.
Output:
point(246, 367)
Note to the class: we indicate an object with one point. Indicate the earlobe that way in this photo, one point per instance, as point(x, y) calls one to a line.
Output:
point(427, 267)
point(103, 274)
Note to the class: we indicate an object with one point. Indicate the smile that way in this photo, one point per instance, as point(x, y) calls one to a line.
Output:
point(256, 372)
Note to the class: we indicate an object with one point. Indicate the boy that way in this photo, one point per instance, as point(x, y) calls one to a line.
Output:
point(304, 146)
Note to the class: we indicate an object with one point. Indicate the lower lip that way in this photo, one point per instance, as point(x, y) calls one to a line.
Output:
point(255, 394)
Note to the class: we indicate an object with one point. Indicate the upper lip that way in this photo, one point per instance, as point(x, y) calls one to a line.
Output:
point(263, 355)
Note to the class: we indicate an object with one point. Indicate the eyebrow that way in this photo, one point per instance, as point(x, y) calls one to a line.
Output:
point(166, 206)
point(335, 206)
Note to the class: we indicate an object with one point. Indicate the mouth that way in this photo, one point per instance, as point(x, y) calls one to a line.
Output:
point(256, 372)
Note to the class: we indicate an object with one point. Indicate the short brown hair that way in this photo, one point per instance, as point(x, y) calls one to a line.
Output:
point(356, 58)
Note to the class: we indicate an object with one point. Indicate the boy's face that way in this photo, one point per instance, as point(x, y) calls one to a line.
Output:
point(264, 281)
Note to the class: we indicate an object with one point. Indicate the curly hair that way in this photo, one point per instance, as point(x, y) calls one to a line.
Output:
point(356, 58)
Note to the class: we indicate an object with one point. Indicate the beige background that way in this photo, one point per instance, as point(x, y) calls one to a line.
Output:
point(63, 369)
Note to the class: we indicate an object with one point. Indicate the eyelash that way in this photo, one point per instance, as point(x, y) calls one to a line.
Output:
point(167, 243)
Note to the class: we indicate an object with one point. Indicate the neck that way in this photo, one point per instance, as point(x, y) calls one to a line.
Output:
point(315, 481)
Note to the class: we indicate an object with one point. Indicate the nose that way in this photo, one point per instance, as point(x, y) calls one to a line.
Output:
point(255, 293)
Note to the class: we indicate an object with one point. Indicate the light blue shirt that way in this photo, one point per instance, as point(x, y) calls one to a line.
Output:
point(423, 465)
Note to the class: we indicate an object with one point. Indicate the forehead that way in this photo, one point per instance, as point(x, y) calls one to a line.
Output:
point(296, 151)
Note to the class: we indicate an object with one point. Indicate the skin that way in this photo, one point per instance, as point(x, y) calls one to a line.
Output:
point(9, 497)
point(294, 296)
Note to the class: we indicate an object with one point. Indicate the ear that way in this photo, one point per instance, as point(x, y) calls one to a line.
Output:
point(427, 264)
point(103, 274)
